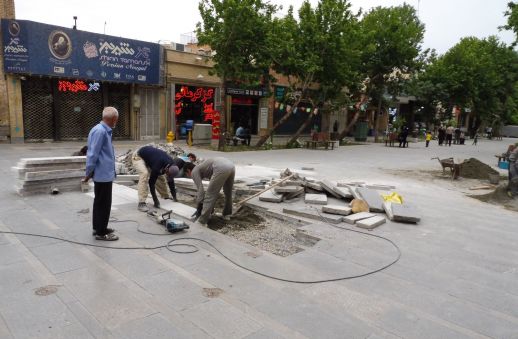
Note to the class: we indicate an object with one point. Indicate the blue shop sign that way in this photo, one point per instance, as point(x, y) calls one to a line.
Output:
point(36, 48)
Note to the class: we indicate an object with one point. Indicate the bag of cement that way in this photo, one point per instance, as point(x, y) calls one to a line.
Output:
point(393, 197)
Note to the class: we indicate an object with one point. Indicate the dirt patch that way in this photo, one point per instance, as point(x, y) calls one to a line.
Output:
point(46, 290)
point(212, 292)
point(499, 197)
point(475, 169)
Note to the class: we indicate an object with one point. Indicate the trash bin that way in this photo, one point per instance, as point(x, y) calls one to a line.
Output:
point(360, 133)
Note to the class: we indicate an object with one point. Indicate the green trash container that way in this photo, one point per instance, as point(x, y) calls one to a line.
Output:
point(360, 133)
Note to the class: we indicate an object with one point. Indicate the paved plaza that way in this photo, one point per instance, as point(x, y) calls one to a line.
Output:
point(457, 276)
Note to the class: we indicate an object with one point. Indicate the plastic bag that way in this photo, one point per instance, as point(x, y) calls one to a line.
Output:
point(393, 197)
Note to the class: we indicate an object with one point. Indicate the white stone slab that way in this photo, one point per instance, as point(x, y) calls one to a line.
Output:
point(313, 214)
point(293, 195)
point(380, 187)
point(371, 223)
point(314, 185)
point(401, 212)
point(372, 197)
point(318, 199)
point(270, 196)
point(336, 209)
point(328, 185)
point(353, 218)
point(50, 175)
point(344, 192)
point(50, 160)
point(287, 189)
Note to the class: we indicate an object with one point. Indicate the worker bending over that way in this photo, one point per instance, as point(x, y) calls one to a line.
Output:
point(157, 169)
point(220, 172)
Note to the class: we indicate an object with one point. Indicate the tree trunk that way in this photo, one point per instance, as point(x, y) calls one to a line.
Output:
point(301, 129)
point(377, 120)
point(223, 119)
point(285, 117)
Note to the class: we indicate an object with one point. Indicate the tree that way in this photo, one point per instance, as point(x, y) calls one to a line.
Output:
point(391, 39)
point(512, 19)
point(239, 31)
point(320, 50)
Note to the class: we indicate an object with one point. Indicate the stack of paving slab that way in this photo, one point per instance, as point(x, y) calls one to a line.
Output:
point(286, 191)
point(43, 175)
point(187, 186)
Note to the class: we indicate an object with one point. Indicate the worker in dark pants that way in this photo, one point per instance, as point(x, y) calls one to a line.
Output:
point(220, 172)
point(156, 169)
point(100, 165)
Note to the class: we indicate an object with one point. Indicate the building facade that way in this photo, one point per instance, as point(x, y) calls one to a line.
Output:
point(59, 80)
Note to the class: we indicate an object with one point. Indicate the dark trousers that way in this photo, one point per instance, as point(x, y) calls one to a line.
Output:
point(102, 206)
point(448, 139)
point(427, 143)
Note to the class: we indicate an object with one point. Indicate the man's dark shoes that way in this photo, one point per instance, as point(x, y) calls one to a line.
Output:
point(107, 237)
point(108, 231)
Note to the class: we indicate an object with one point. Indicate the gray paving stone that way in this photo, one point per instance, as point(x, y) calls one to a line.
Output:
point(48, 175)
point(353, 218)
point(350, 183)
point(373, 199)
point(318, 199)
point(336, 209)
point(89, 322)
point(213, 317)
point(286, 189)
point(380, 187)
point(61, 257)
point(328, 186)
point(370, 223)
point(354, 192)
point(151, 327)
point(343, 192)
point(293, 195)
point(313, 214)
point(314, 185)
point(401, 212)
point(269, 196)
point(264, 333)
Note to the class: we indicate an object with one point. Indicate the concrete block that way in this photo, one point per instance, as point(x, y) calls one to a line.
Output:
point(292, 183)
point(344, 192)
point(314, 186)
point(380, 187)
point(25, 162)
point(372, 198)
point(318, 199)
point(312, 214)
point(353, 218)
point(401, 212)
point(328, 187)
point(354, 192)
point(286, 189)
point(350, 183)
point(336, 209)
point(48, 175)
point(270, 196)
point(371, 223)
point(293, 195)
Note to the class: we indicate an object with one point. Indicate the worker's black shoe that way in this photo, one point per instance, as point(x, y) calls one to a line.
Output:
point(108, 231)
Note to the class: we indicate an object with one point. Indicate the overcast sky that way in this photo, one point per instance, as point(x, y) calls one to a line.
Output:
point(447, 21)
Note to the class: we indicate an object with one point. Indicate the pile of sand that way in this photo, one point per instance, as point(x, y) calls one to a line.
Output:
point(475, 169)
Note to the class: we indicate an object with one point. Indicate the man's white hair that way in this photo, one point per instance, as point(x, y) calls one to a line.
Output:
point(110, 112)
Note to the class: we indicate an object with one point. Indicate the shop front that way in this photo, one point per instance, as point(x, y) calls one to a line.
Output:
point(193, 105)
point(65, 77)
point(244, 109)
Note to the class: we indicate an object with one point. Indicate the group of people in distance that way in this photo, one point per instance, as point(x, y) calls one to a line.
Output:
point(156, 170)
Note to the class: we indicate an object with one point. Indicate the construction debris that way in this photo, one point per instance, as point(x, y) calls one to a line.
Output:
point(124, 165)
point(47, 175)
point(317, 199)
point(353, 218)
point(372, 198)
point(359, 205)
point(371, 223)
point(336, 209)
point(313, 214)
point(401, 212)
point(475, 169)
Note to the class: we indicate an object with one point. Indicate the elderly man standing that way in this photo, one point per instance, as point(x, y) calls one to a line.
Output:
point(221, 173)
point(100, 165)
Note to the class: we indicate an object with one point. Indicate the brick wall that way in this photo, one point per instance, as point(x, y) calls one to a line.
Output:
point(6, 11)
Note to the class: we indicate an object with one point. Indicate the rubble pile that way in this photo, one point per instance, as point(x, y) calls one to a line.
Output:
point(336, 202)
point(123, 164)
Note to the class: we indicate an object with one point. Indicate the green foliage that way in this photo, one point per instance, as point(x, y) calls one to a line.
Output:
point(512, 19)
point(238, 30)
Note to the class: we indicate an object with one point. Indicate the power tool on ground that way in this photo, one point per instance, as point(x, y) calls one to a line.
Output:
point(171, 225)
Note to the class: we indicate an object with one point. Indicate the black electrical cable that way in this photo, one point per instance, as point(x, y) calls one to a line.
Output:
point(172, 243)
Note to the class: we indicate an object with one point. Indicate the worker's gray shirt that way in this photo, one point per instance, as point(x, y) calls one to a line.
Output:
point(513, 156)
point(206, 170)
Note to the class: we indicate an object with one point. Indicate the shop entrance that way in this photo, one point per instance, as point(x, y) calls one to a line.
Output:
point(244, 112)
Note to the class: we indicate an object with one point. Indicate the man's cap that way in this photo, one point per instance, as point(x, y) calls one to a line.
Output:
point(172, 172)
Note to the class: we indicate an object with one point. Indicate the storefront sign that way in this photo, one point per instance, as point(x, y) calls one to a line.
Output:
point(216, 124)
point(36, 48)
point(78, 86)
point(246, 92)
point(190, 94)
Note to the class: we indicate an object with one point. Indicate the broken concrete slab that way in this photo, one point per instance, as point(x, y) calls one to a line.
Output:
point(293, 195)
point(353, 218)
point(50, 175)
point(286, 189)
point(313, 214)
point(336, 209)
point(270, 196)
point(354, 192)
point(401, 212)
point(318, 199)
point(372, 198)
point(292, 183)
point(371, 223)
point(328, 185)
point(314, 186)
point(344, 192)
point(380, 187)
point(350, 183)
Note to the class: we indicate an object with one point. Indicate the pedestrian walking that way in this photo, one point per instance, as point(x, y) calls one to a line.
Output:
point(428, 137)
point(100, 166)
point(449, 135)
point(475, 139)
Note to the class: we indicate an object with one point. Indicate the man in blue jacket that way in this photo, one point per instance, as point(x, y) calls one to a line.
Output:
point(100, 165)
point(157, 171)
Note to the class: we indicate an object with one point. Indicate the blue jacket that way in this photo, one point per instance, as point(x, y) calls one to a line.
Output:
point(100, 158)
